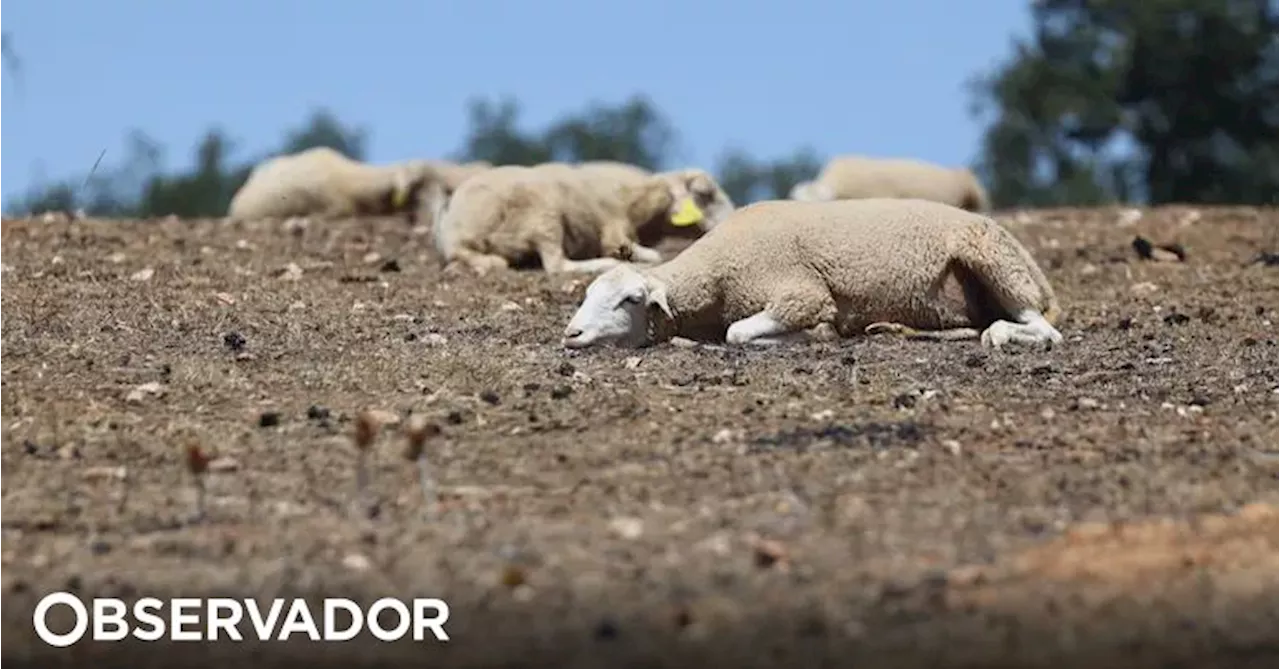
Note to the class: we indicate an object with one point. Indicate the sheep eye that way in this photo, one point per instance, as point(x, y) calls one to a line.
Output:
point(633, 299)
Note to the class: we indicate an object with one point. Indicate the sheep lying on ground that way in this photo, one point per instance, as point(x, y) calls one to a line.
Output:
point(857, 177)
point(567, 217)
point(611, 179)
point(453, 174)
point(449, 176)
point(325, 183)
point(775, 270)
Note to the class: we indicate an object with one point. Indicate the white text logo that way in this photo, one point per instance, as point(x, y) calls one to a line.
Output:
point(387, 619)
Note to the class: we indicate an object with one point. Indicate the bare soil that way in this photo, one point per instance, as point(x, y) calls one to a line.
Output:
point(872, 502)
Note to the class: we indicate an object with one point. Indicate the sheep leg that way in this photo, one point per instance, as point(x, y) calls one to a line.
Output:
point(760, 329)
point(796, 307)
point(1030, 329)
point(480, 263)
point(1011, 275)
point(645, 255)
point(554, 260)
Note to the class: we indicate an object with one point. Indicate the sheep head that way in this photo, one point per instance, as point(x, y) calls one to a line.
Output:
point(685, 203)
point(616, 309)
point(696, 199)
point(408, 180)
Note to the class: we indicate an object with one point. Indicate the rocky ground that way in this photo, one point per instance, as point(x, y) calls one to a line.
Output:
point(876, 502)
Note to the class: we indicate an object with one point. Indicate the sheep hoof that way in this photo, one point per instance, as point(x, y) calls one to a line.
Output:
point(1039, 334)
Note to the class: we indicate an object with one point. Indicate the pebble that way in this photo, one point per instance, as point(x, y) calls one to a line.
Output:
point(434, 339)
point(1087, 403)
point(356, 562)
point(384, 417)
point(291, 272)
point(137, 395)
point(952, 446)
point(224, 464)
point(627, 528)
point(98, 473)
point(631, 362)
point(144, 274)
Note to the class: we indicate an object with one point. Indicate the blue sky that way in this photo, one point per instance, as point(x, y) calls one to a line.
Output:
point(879, 77)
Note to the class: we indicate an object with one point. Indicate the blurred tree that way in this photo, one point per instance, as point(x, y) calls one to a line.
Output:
point(1126, 100)
point(141, 187)
point(633, 132)
point(495, 137)
point(204, 191)
point(748, 180)
point(324, 129)
point(12, 63)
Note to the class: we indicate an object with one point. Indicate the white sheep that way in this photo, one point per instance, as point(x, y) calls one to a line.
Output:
point(325, 183)
point(856, 177)
point(777, 270)
point(567, 217)
point(612, 178)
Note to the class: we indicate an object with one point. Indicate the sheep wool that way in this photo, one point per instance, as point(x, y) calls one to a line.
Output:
point(775, 271)
point(325, 183)
point(567, 217)
point(856, 177)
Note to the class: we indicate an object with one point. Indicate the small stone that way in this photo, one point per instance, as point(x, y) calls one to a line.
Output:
point(825, 414)
point(224, 464)
point(116, 258)
point(561, 392)
point(390, 266)
point(317, 412)
point(1129, 217)
point(291, 272)
point(724, 436)
point(384, 417)
point(234, 341)
point(225, 298)
point(1143, 288)
point(1085, 403)
point(245, 356)
point(402, 318)
point(1047, 413)
point(509, 306)
point(372, 257)
point(269, 419)
point(137, 395)
point(356, 562)
point(434, 339)
point(768, 552)
point(490, 397)
point(99, 473)
point(631, 362)
point(627, 528)
point(143, 274)
point(682, 342)
point(952, 446)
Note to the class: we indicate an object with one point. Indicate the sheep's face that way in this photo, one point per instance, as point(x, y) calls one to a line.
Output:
point(615, 310)
point(697, 200)
point(408, 181)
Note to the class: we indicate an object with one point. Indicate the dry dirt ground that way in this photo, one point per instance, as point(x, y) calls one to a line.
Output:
point(877, 502)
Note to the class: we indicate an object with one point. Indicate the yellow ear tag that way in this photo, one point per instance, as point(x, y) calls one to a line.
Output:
point(398, 197)
point(689, 214)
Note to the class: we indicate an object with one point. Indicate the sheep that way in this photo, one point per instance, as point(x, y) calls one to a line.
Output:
point(610, 177)
point(777, 271)
point(435, 194)
point(325, 183)
point(855, 177)
point(570, 218)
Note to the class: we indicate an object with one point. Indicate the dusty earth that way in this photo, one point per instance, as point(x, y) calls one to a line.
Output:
point(877, 502)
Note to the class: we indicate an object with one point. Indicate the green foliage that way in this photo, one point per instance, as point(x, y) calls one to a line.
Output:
point(1188, 87)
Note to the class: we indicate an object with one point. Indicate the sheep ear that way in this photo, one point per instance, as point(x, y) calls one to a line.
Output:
point(658, 296)
point(400, 190)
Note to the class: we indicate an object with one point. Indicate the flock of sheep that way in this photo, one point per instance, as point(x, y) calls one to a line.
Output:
point(870, 246)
